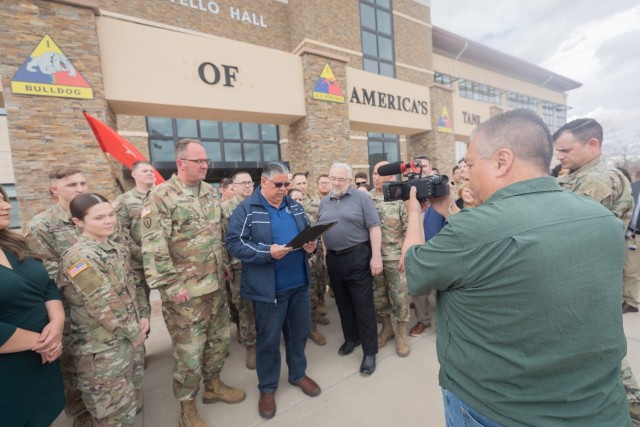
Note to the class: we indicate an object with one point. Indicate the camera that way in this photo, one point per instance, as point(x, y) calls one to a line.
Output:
point(426, 187)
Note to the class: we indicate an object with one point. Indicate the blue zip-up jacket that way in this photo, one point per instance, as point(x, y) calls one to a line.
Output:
point(249, 239)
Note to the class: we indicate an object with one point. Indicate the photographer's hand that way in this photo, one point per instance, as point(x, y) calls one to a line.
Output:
point(445, 205)
point(415, 229)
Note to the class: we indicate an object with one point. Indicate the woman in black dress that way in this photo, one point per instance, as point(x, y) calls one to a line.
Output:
point(31, 323)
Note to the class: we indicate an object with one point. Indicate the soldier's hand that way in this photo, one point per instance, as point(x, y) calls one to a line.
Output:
point(182, 296)
point(401, 264)
point(144, 326)
point(228, 274)
point(279, 251)
point(139, 341)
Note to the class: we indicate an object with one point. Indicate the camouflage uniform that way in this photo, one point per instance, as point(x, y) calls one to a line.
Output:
point(128, 207)
point(390, 292)
point(49, 234)
point(182, 250)
point(246, 317)
point(106, 306)
point(319, 274)
point(608, 186)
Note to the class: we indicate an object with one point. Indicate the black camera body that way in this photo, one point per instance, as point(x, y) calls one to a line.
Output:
point(426, 188)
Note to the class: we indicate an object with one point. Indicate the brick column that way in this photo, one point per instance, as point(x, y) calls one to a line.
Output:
point(49, 132)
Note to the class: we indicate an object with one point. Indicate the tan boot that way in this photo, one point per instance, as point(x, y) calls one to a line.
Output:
point(189, 416)
point(316, 336)
point(402, 340)
point(215, 390)
point(386, 333)
point(251, 357)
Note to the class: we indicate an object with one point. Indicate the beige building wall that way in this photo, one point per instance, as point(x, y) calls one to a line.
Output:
point(142, 59)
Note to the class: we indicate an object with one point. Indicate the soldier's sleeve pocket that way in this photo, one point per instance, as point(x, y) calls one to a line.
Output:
point(84, 277)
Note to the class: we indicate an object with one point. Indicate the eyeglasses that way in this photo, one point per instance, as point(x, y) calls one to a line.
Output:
point(340, 180)
point(198, 161)
point(278, 184)
point(358, 184)
point(244, 183)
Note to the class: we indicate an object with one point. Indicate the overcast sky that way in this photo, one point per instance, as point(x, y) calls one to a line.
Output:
point(596, 42)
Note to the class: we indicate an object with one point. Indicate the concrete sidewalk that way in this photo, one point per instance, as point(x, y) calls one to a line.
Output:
point(401, 392)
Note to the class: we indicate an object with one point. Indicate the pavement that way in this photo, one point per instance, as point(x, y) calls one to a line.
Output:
point(401, 392)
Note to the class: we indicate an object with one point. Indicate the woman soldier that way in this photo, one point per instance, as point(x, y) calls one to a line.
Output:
point(109, 314)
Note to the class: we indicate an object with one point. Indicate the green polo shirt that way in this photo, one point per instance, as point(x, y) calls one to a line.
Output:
point(529, 321)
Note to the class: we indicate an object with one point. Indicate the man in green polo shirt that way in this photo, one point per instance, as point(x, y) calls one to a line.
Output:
point(530, 326)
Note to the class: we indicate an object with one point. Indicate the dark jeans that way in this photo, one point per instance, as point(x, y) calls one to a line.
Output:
point(291, 315)
point(352, 285)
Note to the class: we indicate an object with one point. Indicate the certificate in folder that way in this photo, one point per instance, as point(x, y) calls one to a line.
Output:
point(311, 233)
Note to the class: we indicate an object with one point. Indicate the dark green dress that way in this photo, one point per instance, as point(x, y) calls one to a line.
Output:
point(31, 394)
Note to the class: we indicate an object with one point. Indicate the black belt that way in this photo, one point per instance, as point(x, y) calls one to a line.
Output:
point(351, 249)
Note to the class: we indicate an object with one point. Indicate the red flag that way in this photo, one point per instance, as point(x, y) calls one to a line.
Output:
point(121, 149)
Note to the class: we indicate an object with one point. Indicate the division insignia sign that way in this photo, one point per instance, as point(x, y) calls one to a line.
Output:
point(444, 123)
point(326, 88)
point(48, 72)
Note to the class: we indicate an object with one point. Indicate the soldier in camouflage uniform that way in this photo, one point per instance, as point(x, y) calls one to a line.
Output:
point(390, 292)
point(109, 314)
point(128, 207)
point(49, 234)
point(319, 275)
point(242, 188)
point(578, 146)
point(184, 259)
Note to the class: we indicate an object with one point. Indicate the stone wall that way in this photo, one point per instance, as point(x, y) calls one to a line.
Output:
point(49, 132)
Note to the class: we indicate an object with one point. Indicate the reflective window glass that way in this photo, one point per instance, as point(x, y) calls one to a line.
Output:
point(209, 129)
point(251, 152)
point(159, 126)
point(270, 152)
point(187, 128)
point(230, 130)
point(213, 150)
point(232, 152)
point(387, 69)
point(367, 16)
point(162, 150)
point(384, 22)
point(370, 65)
point(385, 48)
point(269, 132)
point(369, 44)
point(250, 131)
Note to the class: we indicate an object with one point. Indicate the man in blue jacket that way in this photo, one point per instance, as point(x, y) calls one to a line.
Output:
point(276, 279)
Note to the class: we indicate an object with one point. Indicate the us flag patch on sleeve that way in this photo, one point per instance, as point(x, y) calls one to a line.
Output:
point(77, 268)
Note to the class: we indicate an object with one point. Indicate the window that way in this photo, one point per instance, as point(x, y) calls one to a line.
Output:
point(479, 91)
point(383, 146)
point(223, 141)
point(517, 100)
point(10, 189)
point(376, 29)
point(561, 116)
point(548, 115)
point(443, 79)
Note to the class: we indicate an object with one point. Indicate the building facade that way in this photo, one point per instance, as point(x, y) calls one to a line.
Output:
point(305, 81)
